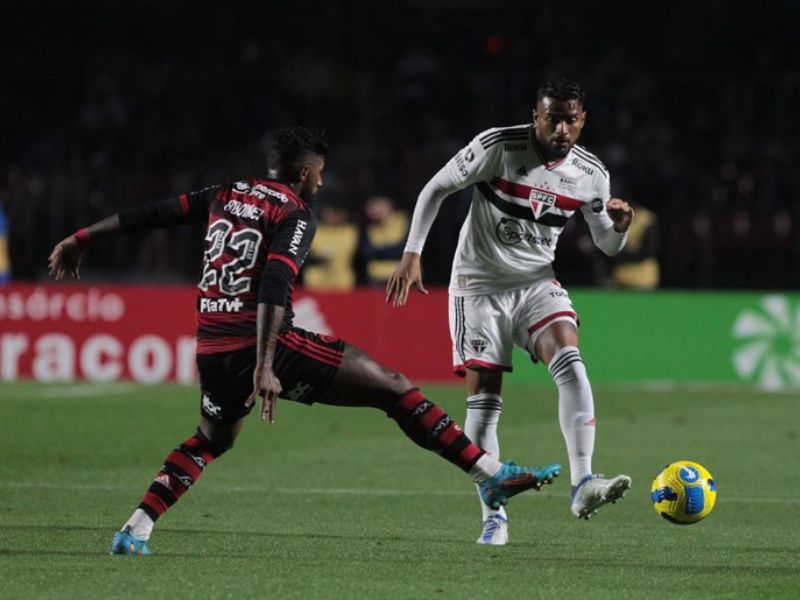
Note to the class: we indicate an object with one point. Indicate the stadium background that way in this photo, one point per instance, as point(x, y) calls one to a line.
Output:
point(105, 104)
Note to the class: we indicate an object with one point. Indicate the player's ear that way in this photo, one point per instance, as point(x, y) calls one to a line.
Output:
point(303, 174)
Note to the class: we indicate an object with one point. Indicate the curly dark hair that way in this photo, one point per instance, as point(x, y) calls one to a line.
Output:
point(291, 149)
point(560, 88)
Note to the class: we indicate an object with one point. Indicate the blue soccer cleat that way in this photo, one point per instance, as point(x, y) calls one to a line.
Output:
point(512, 479)
point(126, 543)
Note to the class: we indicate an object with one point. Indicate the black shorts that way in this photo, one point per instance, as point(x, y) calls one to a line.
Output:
point(305, 363)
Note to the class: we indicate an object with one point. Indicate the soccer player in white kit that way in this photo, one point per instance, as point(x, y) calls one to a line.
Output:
point(528, 180)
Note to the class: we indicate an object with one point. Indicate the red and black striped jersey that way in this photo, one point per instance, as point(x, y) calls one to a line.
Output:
point(258, 235)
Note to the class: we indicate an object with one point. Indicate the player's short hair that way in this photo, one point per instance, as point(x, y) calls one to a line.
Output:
point(561, 88)
point(291, 149)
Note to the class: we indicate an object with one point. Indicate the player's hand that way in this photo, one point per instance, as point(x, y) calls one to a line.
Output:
point(407, 273)
point(621, 213)
point(66, 258)
point(267, 385)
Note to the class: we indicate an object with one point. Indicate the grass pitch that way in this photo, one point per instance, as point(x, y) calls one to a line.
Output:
point(337, 503)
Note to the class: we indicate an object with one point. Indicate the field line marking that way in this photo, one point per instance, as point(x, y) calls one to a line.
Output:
point(329, 491)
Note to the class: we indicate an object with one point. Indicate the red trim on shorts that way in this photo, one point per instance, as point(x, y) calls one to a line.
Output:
point(461, 369)
point(304, 349)
point(184, 200)
point(549, 318)
point(284, 259)
point(325, 350)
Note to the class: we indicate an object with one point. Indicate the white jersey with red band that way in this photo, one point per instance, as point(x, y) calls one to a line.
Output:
point(519, 207)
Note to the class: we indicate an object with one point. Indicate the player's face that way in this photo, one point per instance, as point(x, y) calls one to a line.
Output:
point(558, 125)
point(311, 176)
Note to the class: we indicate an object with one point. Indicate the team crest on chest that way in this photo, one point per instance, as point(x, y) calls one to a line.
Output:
point(541, 202)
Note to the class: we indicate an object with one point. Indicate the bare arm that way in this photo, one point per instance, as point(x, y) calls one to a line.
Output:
point(265, 382)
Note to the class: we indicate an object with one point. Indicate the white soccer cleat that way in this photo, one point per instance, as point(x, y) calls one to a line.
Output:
point(495, 531)
point(593, 491)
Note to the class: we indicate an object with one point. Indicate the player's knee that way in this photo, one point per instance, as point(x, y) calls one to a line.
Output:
point(567, 365)
point(399, 382)
point(217, 443)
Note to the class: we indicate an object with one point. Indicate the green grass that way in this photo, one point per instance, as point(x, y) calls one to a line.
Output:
point(336, 503)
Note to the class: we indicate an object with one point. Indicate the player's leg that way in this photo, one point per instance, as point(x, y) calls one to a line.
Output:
point(484, 404)
point(556, 344)
point(226, 381)
point(481, 333)
point(360, 381)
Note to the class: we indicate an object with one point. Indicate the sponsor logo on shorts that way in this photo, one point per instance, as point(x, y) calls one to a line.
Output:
point(210, 408)
point(300, 390)
point(208, 305)
point(511, 233)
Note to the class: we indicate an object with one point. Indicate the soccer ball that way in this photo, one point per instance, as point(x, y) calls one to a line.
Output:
point(684, 492)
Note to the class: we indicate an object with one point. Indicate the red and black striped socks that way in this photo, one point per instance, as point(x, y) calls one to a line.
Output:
point(433, 429)
point(182, 468)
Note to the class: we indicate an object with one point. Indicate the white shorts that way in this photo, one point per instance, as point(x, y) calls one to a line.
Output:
point(484, 329)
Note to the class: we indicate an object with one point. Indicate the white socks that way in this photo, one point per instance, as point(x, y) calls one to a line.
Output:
point(575, 410)
point(141, 524)
point(483, 414)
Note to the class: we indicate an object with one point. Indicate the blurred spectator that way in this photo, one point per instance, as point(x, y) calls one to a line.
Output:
point(329, 266)
point(5, 262)
point(119, 121)
point(382, 239)
point(637, 265)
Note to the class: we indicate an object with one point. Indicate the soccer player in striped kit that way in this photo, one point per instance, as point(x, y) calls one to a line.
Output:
point(528, 180)
point(257, 237)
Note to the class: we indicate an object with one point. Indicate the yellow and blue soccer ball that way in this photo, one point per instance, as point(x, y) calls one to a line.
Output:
point(684, 492)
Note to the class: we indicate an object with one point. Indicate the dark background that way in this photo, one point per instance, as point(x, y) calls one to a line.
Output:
point(691, 105)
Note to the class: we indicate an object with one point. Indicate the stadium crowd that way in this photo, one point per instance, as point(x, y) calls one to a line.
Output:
point(695, 122)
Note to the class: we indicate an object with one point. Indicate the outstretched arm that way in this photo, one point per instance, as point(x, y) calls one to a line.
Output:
point(470, 165)
point(66, 257)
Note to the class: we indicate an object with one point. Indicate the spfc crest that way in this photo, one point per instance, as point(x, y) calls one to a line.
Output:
point(478, 344)
point(541, 202)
